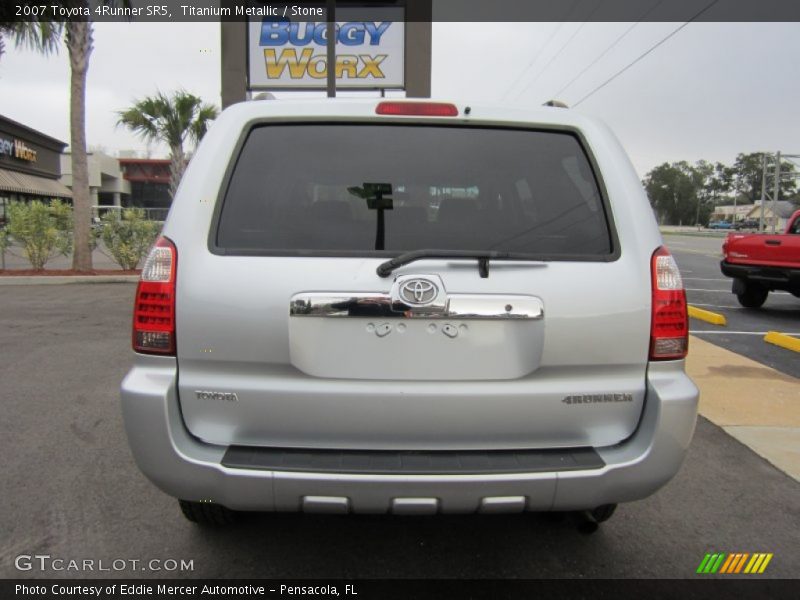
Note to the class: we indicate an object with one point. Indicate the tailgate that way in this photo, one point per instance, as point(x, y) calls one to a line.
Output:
point(288, 337)
point(779, 250)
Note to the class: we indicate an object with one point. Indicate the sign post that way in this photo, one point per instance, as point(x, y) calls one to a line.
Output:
point(331, 41)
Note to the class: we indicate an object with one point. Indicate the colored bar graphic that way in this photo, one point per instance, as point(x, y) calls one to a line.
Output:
point(741, 562)
point(734, 563)
point(765, 563)
point(730, 563)
point(757, 564)
point(710, 563)
point(727, 564)
point(703, 563)
point(718, 563)
point(756, 558)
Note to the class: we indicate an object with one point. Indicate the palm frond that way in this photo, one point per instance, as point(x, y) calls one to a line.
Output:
point(41, 36)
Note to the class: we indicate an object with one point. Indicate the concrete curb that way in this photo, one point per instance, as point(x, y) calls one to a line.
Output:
point(707, 316)
point(784, 341)
point(750, 401)
point(66, 279)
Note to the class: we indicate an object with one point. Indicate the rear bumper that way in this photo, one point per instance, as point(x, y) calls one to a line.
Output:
point(772, 278)
point(187, 468)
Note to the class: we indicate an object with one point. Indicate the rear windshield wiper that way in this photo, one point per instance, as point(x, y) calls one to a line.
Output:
point(483, 256)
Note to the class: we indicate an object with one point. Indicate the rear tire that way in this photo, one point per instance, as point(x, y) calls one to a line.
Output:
point(589, 520)
point(603, 513)
point(206, 513)
point(753, 296)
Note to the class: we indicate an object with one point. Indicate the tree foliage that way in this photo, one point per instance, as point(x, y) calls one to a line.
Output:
point(171, 120)
point(674, 192)
point(43, 230)
point(5, 242)
point(748, 173)
point(128, 236)
point(42, 36)
point(681, 193)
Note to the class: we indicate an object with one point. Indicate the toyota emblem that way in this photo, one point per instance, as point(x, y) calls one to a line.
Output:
point(418, 291)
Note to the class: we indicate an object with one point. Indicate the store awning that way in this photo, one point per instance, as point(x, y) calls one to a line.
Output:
point(22, 183)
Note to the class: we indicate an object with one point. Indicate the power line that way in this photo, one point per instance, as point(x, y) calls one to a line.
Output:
point(560, 50)
point(641, 56)
point(535, 79)
point(530, 64)
point(607, 50)
point(538, 52)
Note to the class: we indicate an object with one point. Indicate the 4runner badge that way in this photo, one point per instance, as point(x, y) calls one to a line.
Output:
point(597, 398)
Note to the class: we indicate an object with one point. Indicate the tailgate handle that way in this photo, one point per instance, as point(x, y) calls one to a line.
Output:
point(773, 242)
point(380, 305)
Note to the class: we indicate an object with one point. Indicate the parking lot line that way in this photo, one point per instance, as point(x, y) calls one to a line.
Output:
point(715, 332)
point(705, 279)
point(700, 252)
point(718, 306)
point(728, 291)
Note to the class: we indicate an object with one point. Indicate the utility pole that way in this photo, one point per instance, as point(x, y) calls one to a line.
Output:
point(777, 191)
point(763, 190)
point(331, 29)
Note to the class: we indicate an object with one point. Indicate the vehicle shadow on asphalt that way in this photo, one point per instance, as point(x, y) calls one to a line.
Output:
point(380, 546)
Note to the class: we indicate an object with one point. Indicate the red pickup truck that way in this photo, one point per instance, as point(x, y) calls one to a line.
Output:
point(761, 263)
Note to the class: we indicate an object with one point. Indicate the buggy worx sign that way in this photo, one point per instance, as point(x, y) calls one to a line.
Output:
point(286, 54)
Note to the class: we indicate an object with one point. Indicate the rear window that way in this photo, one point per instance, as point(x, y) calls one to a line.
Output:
point(384, 189)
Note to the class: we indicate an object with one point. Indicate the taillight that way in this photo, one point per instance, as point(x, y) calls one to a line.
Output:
point(669, 329)
point(417, 109)
point(154, 311)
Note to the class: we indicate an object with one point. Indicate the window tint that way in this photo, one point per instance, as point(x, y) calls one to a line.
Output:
point(362, 188)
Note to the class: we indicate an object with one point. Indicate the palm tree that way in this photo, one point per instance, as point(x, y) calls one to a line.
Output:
point(78, 38)
point(170, 120)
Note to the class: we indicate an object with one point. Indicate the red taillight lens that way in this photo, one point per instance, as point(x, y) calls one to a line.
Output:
point(669, 329)
point(154, 310)
point(417, 109)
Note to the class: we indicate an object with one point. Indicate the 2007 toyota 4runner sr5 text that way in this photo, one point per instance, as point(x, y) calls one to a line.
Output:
point(408, 307)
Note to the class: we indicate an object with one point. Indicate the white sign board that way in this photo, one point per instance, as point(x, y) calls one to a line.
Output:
point(285, 54)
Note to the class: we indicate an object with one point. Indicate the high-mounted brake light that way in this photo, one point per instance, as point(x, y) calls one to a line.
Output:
point(417, 109)
point(669, 329)
point(154, 310)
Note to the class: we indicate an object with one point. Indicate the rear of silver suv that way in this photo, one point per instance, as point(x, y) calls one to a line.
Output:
point(408, 307)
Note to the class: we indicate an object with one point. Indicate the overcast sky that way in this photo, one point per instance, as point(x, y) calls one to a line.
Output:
point(710, 91)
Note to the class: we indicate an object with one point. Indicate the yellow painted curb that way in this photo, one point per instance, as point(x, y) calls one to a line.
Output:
point(707, 316)
point(783, 340)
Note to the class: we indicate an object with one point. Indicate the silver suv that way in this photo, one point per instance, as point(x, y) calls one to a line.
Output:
point(408, 307)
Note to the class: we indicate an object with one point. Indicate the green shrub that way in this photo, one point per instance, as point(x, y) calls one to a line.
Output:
point(5, 242)
point(128, 235)
point(43, 230)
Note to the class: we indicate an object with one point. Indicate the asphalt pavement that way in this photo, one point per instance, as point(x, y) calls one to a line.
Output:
point(71, 489)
